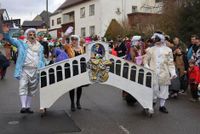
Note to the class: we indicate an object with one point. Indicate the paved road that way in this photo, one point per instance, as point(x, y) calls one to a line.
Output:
point(104, 111)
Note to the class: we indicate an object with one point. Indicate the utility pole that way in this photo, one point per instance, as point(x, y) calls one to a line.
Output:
point(122, 10)
point(47, 10)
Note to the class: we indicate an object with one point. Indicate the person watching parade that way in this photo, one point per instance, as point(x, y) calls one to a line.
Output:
point(4, 64)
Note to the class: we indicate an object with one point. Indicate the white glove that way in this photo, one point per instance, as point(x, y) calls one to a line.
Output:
point(174, 77)
point(147, 66)
point(69, 30)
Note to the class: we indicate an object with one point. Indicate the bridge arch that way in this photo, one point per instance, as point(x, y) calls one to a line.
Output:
point(74, 73)
point(143, 95)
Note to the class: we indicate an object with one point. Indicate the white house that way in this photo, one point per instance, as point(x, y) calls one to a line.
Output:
point(91, 17)
point(3, 17)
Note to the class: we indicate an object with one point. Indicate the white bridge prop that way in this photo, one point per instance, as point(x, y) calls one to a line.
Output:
point(60, 78)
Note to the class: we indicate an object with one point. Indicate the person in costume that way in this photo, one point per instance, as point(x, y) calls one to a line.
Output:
point(30, 59)
point(159, 58)
point(73, 49)
point(135, 55)
point(136, 51)
point(60, 55)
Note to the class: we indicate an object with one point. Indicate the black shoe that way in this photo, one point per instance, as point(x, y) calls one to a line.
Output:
point(23, 111)
point(163, 110)
point(154, 104)
point(174, 95)
point(78, 105)
point(73, 109)
point(29, 111)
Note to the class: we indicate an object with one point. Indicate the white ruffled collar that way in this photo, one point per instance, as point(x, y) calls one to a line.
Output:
point(33, 46)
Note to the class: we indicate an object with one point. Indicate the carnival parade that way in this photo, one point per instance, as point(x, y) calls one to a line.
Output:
point(85, 68)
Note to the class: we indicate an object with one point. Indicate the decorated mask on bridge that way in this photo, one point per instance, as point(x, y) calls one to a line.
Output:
point(99, 70)
point(98, 65)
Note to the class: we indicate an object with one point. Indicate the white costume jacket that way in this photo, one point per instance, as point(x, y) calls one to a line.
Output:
point(160, 60)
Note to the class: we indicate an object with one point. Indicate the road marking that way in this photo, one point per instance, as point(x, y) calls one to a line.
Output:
point(124, 129)
point(13, 122)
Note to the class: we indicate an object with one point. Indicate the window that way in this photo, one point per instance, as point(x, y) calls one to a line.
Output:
point(83, 32)
point(52, 22)
point(59, 21)
point(134, 9)
point(92, 30)
point(82, 12)
point(157, 1)
point(4, 15)
point(71, 17)
point(118, 12)
point(92, 10)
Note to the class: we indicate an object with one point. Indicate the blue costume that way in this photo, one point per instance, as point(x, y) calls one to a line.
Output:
point(22, 52)
point(60, 55)
point(30, 59)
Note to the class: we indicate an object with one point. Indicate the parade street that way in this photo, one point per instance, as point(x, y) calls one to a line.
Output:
point(100, 67)
point(104, 112)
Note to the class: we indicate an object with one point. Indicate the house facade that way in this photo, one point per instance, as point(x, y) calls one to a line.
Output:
point(92, 17)
point(14, 24)
point(43, 16)
point(3, 17)
point(34, 24)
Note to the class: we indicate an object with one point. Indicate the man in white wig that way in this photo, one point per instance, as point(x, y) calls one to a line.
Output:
point(30, 59)
point(159, 58)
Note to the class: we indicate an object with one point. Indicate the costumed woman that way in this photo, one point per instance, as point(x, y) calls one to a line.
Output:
point(135, 55)
point(73, 49)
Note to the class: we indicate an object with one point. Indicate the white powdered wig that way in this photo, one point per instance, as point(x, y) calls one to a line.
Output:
point(30, 30)
point(161, 36)
point(75, 36)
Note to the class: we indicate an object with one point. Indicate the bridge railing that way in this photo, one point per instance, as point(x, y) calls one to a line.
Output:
point(72, 67)
point(131, 71)
point(63, 70)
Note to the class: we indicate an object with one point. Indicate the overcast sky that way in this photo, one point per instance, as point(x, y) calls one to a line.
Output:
point(28, 9)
